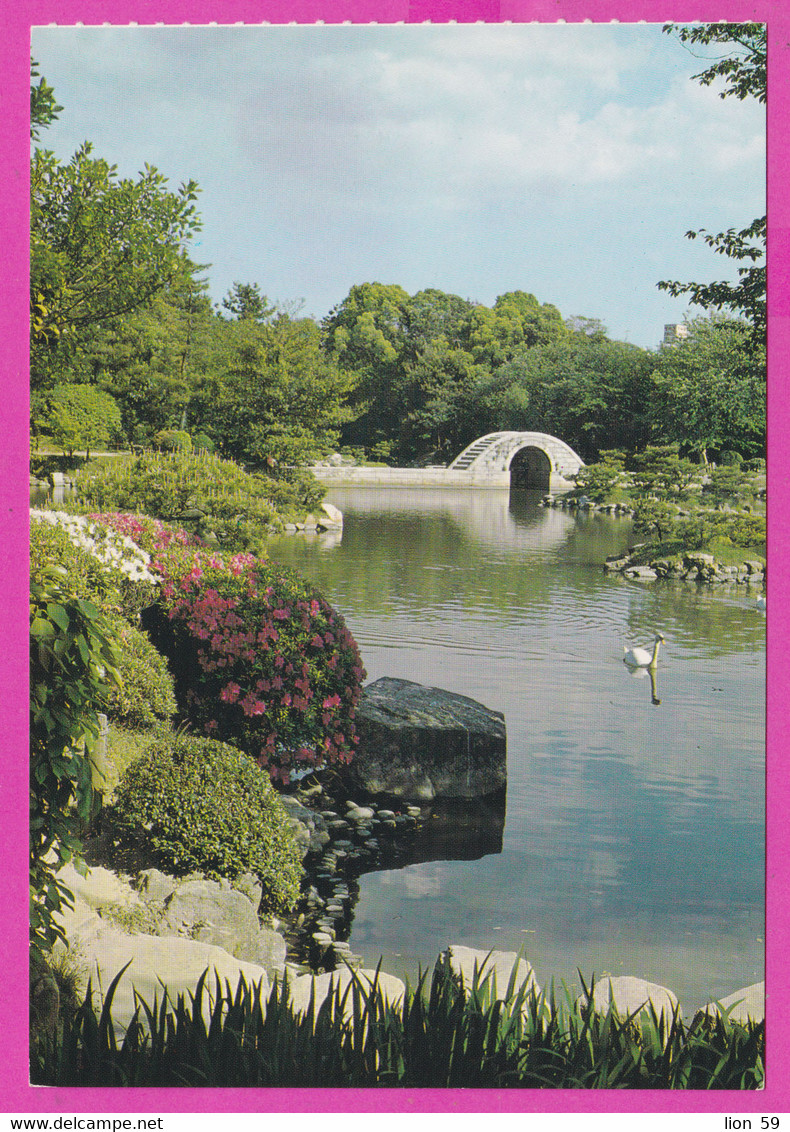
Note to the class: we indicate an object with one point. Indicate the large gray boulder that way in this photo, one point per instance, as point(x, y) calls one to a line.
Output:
point(214, 913)
point(98, 887)
point(419, 743)
point(170, 931)
point(154, 885)
point(746, 1005)
point(305, 988)
point(308, 827)
point(155, 967)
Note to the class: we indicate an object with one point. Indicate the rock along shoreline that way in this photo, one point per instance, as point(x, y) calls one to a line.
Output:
point(166, 932)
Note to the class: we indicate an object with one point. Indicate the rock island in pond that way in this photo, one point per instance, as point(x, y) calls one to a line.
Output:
point(421, 743)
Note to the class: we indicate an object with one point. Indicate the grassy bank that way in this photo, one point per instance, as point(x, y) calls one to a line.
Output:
point(439, 1035)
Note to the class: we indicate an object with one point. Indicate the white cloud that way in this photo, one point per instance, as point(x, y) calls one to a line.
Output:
point(478, 159)
point(379, 124)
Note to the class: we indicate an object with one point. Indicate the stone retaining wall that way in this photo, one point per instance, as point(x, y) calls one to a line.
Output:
point(345, 476)
point(349, 476)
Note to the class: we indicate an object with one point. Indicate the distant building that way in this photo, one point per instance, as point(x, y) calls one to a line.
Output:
point(674, 332)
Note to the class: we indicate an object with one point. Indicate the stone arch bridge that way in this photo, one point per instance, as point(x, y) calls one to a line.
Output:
point(530, 459)
point(499, 459)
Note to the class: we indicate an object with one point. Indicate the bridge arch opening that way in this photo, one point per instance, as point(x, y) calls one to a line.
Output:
point(530, 467)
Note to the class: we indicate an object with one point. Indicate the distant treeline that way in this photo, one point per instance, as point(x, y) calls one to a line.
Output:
point(128, 349)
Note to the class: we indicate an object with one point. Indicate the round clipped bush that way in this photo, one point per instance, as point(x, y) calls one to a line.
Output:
point(198, 804)
point(260, 658)
point(202, 441)
point(729, 458)
point(147, 694)
point(173, 440)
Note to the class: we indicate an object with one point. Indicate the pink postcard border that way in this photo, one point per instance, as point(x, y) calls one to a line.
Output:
point(16, 1096)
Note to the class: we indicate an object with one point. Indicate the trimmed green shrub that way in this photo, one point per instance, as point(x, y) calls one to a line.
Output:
point(173, 440)
point(601, 481)
point(79, 416)
point(202, 441)
point(147, 693)
point(294, 491)
point(213, 498)
point(719, 528)
point(727, 483)
point(728, 458)
point(660, 472)
point(260, 658)
point(654, 517)
point(124, 746)
point(198, 804)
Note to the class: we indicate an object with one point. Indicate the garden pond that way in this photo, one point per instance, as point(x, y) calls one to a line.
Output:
point(633, 835)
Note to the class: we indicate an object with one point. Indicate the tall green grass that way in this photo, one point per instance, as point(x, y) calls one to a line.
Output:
point(440, 1035)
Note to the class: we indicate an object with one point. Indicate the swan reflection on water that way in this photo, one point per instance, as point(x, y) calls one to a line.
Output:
point(640, 672)
point(641, 662)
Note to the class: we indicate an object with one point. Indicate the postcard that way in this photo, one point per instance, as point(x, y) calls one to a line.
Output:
point(400, 392)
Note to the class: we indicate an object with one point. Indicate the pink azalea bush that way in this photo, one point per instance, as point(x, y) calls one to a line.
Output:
point(261, 659)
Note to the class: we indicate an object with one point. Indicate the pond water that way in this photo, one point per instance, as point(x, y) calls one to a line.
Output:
point(633, 840)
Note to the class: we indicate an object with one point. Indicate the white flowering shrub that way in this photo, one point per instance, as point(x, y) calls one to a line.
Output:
point(113, 550)
point(101, 564)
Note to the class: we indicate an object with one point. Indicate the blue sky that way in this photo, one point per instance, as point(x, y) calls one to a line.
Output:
point(565, 160)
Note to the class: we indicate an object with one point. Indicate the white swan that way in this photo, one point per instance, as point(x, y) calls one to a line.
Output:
point(643, 658)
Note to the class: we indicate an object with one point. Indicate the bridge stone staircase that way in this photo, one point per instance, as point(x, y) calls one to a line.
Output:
point(470, 454)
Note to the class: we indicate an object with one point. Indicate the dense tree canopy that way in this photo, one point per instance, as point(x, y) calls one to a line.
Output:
point(100, 247)
point(272, 397)
point(709, 390)
point(244, 300)
point(433, 316)
point(421, 361)
point(152, 360)
point(586, 389)
point(516, 320)
point(365, 334)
